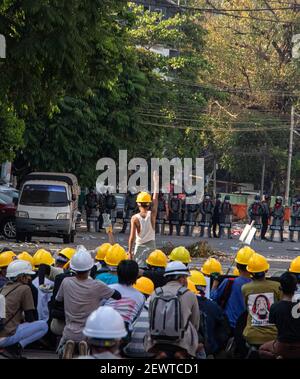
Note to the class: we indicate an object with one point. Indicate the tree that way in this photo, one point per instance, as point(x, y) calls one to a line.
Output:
point(250, 55)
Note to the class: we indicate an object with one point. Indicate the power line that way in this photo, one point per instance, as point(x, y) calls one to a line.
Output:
point(170, 126)
point(226, 12)
point(229, 121)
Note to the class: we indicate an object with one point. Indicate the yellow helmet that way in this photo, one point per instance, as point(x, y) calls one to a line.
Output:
point(210, 266)
point(197, 278)
point(67, 252)
point(43, 257)
point(191, 286)
point(236, 272)
point(157, 258)
point(257, 263)
point(143, 197)
point(144, 285)
point(181, 254)
point(243, 255)
point(295, 265)
point(24, 256)
point(102, 251)
point(6, 258)
point(115, 255)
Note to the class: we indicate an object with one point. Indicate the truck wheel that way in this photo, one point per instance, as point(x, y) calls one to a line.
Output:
point(20, 237)
point(67, 238)
point(8, 229)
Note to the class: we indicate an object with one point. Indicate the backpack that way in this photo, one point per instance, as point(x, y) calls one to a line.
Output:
point(110, 202)
point(165, 316)
point(175, 205)
point(91, 201)
point(222, 301)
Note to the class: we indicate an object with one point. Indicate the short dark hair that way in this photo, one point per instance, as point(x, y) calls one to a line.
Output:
point(241, 267)
point(128, 272)
point(288, 283)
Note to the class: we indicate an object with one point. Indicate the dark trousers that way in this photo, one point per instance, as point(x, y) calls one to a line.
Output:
point(265, 224)
point(215, 223)
point(274, 349)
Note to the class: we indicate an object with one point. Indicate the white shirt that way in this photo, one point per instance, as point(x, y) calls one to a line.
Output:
point(43, 299)
point(147, 233)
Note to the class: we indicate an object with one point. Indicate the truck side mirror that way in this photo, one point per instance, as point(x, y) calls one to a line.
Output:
point(15, 201)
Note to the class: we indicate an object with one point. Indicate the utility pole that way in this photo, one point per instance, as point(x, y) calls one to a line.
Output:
point(2, 47)
point(215, 179)
point(263, 172)
point(289, 168)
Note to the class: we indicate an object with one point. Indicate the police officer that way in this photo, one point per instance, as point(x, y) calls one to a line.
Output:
point(110, 204)
point(190, 214)
point(101, 207)
point(225, 216)
point(175, 209)
point(130, 208)
point(295, 218)
point(206, 210)
point(91, 204)
point(278, 217)
point(255, 211)
point(216, 216)
point(162, 213)
point(266, 212)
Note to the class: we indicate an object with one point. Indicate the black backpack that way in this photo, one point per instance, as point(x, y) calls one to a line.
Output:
point(175, 205)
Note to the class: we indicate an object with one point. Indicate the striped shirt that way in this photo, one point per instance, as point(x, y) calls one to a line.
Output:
point(135, 347)
point(130, 305)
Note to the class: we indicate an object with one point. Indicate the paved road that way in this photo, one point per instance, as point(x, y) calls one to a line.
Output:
point(279, 254)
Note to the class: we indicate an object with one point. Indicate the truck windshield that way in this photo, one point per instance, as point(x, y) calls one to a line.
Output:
point(44, 195)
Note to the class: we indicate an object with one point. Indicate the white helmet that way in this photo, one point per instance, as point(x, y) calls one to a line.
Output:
point(81, 260)
point(176, 268)
point(19, 267)
point(105, 323)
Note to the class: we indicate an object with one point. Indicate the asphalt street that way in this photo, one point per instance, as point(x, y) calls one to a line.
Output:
point(279, 254)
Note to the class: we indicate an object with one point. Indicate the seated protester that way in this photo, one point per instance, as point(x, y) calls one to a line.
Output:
point(101, 252)
point(135, 348)
point(56, 309)
point(16, 333)
point(24, 256)
point(259, 296)
point(285, 315)
point(180, 254)
point(132, 300)
point(44, 263)
point(167, 338)
point(211, 269)
point(6, 257)
point(214, 325)
point(114, 256)
point(295, 269)
point(156, 264)
point(104, 329)
point(229, 293)
point(80, 295)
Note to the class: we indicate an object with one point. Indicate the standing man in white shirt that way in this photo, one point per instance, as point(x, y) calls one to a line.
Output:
point(143, 225)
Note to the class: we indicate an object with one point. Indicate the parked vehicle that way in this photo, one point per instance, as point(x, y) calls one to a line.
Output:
point(48, 206)
point(7, 216)
point(120, 199)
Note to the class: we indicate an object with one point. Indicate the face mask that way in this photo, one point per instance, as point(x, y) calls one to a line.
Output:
point(256, 201)
point(297, 202)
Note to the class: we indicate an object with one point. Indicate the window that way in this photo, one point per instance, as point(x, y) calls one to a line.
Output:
point(44, 195)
